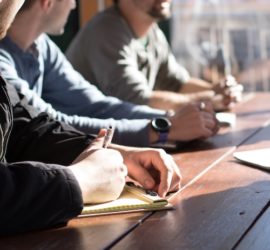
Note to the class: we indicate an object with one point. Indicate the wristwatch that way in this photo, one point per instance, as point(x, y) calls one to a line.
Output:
point(162, 126)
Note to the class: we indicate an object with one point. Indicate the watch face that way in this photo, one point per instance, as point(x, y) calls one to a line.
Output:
point(161, 124)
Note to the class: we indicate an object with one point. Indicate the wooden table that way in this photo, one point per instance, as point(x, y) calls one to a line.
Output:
point(222, 204)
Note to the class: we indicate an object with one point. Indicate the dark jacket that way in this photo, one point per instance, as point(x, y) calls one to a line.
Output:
point(36, 189)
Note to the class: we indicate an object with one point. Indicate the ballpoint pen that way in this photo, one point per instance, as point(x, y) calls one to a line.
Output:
point(108, 137)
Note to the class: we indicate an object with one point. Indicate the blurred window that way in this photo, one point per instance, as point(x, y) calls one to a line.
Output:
point(212, 38)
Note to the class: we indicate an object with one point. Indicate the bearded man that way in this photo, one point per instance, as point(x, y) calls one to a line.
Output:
point(125, 54)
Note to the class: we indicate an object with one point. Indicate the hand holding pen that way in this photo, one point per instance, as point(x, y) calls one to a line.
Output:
point(100, 172)
point(151, 168)
point(103, 140)
point(108, 137)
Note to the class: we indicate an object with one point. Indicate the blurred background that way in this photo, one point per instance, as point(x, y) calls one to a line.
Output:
point(216, 37)
point(211, 38)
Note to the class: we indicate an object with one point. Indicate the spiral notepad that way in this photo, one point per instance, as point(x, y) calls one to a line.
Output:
point(132, 199)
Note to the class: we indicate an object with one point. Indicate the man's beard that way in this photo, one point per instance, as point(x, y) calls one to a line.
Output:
point(160, 15)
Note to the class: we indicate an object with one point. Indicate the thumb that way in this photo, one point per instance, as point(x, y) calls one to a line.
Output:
point(102, 132)
point(98, 142)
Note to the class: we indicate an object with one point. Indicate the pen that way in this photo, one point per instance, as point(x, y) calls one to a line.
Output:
point(108, 137)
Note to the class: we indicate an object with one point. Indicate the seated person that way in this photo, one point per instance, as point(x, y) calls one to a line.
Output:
point(32, 63)
point(125, 54)
point(48, 169)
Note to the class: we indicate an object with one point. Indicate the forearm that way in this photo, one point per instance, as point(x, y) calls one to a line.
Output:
point(36, 195)
point(174, 101)
point(127, 132)
point(167, 100)
point(195, 85)
point(44, 139)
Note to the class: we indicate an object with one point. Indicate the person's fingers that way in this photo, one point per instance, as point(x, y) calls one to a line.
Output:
point(143, 176)
point(166, 176)
point(232, 98)
point(208, 118)
point(209, 124)
point(237, 88)
point(238, 97)
point(204, 105)
point(164, 164)
point(176, 180)
point(98, 142)
point(206, 132)
point(124, 170)
point(209, 107)
point(102, 132)
point(234, 90)
point(216, 128)
point(156, 172)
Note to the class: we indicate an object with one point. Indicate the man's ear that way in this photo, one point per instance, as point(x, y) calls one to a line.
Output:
point(46, 4)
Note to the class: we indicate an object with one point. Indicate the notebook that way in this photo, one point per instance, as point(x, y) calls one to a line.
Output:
point(259, 157)
point(133, 199)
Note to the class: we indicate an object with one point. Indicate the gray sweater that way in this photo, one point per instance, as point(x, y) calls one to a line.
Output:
point(107, 53)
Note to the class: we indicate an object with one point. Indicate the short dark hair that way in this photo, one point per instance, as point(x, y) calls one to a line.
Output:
point(115, 1)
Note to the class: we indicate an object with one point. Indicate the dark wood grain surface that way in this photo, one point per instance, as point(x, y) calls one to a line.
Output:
point(258, 236)
point(215, 212)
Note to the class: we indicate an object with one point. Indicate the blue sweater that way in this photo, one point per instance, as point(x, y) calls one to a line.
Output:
point(50, 84)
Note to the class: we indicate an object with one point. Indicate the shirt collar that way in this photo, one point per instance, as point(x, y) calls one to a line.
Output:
point(33, 49)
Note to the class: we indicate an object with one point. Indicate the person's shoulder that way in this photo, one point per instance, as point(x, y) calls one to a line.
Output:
point(107, 29)
point(6, 58)
point(7, 45)
point(109, 20)
point(43, 39)
point(45, 43)
point(106, 16)
point(47, 49)
point(5, 42)
point(157, 33)
point(7, 50)
point(158, 39)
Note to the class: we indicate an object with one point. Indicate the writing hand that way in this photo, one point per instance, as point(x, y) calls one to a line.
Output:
point(100, 172)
